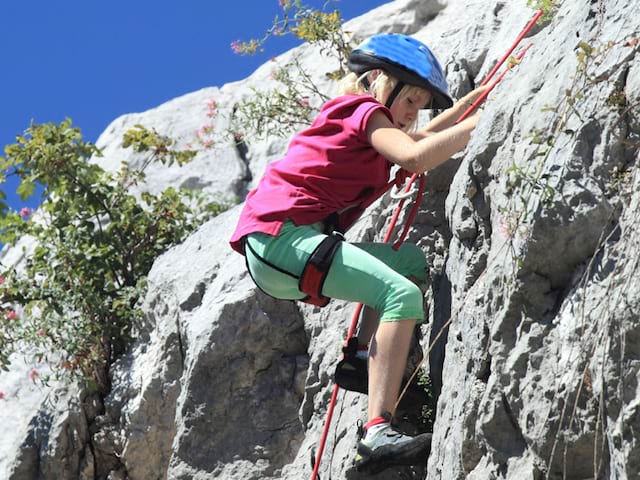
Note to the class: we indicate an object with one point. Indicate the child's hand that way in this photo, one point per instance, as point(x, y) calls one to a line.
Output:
point(472, 96)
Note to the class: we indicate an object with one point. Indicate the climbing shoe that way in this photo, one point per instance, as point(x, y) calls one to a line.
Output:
point(352, 374)
point(388, 447)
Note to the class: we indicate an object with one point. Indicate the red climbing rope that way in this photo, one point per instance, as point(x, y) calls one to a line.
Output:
point(413, 213)
point(523, 34)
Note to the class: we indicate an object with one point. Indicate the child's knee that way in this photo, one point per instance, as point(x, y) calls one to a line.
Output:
point(404, 302)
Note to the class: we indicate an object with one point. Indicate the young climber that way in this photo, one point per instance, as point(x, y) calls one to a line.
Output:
point(328, 172)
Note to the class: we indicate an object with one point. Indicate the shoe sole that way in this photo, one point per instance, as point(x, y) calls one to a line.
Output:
point(391, 456)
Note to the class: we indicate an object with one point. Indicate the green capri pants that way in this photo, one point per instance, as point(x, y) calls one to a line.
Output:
point(369, 273)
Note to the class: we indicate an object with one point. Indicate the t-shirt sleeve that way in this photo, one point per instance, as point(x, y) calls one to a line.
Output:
point(358, 121)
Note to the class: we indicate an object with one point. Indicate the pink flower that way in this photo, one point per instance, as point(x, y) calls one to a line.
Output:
point(25, 212)
point(206, 129)
point(236, 46)
point(33, 374)
point(2, 395)
point(212, 108)
point(2, 279)
point(12, 315)
point(245, 48)
point(41, 332)
point(507, 226)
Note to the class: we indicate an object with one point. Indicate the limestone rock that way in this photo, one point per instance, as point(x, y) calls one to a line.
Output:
point(534, 300)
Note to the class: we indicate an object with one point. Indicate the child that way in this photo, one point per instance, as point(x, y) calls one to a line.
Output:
point(328, 171)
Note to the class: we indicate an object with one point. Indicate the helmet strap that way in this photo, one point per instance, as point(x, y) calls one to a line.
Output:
point(394, 93)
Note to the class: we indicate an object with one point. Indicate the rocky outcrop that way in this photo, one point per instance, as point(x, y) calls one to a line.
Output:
point(533, 337)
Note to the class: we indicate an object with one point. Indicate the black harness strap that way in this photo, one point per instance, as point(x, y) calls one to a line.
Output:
point(316, 270)
point(314, 273)
point(246, 244)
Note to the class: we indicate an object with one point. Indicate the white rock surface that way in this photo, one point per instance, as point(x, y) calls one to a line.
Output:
point(540, 365)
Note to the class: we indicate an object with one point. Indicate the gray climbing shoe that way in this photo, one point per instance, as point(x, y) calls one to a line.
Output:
point(388, 448)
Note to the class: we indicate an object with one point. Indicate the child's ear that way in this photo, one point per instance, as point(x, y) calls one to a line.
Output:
point(373, 74)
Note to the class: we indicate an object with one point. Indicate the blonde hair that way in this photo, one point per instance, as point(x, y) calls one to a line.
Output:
point(381, 84)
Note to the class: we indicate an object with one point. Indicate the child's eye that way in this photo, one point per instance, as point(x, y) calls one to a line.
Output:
point(410, 101)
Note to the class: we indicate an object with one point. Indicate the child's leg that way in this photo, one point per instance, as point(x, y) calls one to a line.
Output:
point(408, 261)
point(367, 326)
point(369, 278)
point(356, 273)
point(358, 276)
point(387, 363)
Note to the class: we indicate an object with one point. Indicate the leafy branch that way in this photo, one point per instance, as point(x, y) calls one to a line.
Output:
point(73, 301)
point(290, 105)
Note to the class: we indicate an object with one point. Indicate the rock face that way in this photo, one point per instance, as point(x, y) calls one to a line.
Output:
point(532, 239)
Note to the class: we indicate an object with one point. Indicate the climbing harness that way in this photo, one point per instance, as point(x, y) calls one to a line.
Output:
point(317, 268)
point(314, 273)
point(316, 459)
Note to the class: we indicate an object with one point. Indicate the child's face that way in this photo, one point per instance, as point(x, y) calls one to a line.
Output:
point(405, 108)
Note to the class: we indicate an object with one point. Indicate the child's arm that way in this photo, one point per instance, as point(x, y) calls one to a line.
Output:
point(418, 156)
point(448, 118)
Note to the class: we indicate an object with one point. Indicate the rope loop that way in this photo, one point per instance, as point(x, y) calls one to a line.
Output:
point(397, 193)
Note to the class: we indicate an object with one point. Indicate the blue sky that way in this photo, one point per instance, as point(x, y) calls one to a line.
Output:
point(94, 61)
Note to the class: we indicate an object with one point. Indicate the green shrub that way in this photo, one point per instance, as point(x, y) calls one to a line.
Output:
point(73, 303)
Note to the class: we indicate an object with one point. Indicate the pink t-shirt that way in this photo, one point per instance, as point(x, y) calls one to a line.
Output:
point(328, 167)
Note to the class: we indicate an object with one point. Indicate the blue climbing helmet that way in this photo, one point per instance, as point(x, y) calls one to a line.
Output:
point(408, 60)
